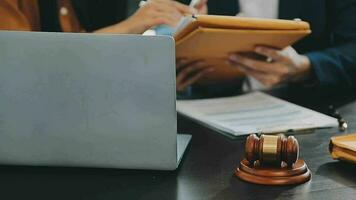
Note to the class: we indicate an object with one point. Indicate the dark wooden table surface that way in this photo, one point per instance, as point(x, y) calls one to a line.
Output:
point(205, 173)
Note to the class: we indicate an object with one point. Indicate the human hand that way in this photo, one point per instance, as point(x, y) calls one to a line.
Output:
point(153, 13)
point(190, 71)
point(159, 12)
point(281, 66)
point(202, 7)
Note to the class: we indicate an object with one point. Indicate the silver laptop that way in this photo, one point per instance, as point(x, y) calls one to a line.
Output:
point(86, 100)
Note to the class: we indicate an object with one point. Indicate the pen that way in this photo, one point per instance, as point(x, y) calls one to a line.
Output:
point(334, 113)
point(142, 3)
point(194, 3)
point(162, 29)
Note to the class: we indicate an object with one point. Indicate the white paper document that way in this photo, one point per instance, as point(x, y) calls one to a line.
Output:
point(253, 113)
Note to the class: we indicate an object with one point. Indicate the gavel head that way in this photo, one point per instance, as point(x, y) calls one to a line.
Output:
point(272, 149)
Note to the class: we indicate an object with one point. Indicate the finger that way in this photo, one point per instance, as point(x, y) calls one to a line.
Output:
point(261, 66)
point(173, 19)
point(180, 62)
point(190, 70)
point(201, 4)
point(245, 69)
point(250, 63)
point(264, 79)
point(275, 54)
point(183, 86)
point(161, 13)
point(267, 80)
point(167, 7)
point(163, 18)
point(184, 9)
point(183, 63)
point(154, 18)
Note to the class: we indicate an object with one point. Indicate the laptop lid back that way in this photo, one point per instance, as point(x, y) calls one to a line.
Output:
point(87, 100)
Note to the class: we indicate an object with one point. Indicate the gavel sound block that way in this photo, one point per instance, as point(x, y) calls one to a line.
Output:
point(272, 160)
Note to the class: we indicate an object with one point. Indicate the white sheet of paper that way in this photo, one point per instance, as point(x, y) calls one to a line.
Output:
point(253, 113)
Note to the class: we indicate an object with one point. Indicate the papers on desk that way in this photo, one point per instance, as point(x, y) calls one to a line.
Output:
point(253, 113)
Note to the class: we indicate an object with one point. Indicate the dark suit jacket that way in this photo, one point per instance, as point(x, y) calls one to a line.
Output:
point(332, 45)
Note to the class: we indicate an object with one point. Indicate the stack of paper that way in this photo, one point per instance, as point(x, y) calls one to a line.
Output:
point(253, 113)
point(343, 147)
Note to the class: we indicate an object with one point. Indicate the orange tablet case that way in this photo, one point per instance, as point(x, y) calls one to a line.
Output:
point(212, 37)
point(209, 36)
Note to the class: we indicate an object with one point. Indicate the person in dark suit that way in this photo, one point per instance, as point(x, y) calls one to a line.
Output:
point(325, 59)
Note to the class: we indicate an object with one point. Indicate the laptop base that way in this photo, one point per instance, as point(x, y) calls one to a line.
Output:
point(182, 144)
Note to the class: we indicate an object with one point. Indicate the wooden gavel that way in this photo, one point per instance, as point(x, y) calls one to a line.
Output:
point(272, 149)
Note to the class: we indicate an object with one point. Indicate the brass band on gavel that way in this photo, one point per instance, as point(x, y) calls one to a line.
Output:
point(272, 149)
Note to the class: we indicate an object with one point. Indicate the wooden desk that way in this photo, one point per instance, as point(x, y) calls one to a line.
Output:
point(206, 173)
